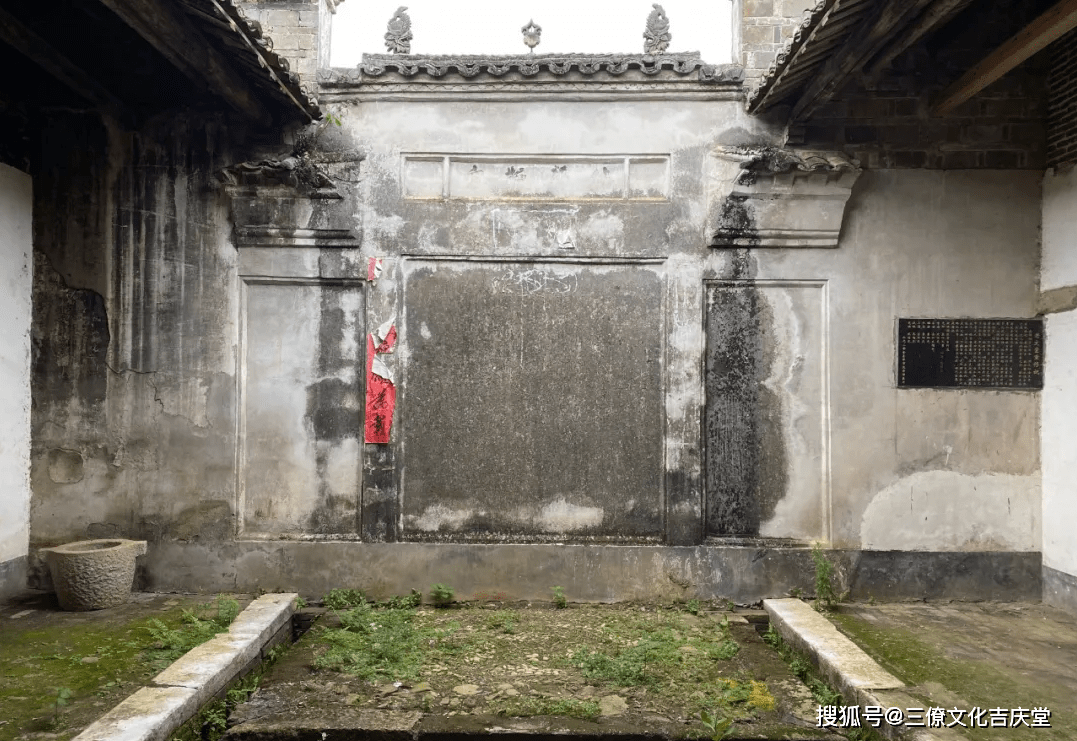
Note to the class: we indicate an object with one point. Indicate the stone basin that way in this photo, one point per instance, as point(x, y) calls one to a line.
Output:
point(93, 574)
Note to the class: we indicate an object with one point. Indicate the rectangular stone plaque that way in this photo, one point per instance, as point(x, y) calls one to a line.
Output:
point(970, 353)
point(536, 177)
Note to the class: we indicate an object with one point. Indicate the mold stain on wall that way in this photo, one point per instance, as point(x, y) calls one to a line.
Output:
point(745, 448)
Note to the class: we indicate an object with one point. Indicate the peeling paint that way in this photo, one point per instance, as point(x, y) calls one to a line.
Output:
point(438, 517)
point(560, 516)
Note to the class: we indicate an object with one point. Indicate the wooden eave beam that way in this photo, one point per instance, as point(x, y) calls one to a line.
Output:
point(170, 31)
point(23, 40)
point(864, 41)
point(1056, 22)
point(937, 15)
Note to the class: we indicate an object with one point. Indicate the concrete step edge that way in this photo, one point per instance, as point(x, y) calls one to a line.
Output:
point(175, 695)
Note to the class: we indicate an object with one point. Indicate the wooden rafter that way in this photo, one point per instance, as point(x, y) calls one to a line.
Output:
point(934, 17)
point(168, 29)
point(862, 43)
point(23, 40)
point(1059, 20)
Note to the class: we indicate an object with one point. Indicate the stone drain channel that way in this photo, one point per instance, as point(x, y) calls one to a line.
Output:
point(175, 695)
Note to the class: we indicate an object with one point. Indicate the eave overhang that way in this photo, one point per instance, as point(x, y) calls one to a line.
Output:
point(838, 39)
point(227, 27)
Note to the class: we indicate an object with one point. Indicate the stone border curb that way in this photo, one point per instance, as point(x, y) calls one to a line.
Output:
point(843, 664)
point(175, 695)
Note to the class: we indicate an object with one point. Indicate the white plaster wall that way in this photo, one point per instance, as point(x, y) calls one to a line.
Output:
point(15, 285)
point(1059, 423)
point(1059, 265)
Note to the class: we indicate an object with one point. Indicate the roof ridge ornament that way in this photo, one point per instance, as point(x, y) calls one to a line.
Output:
point(532, 35)
point(657, 35)
point(398, 36)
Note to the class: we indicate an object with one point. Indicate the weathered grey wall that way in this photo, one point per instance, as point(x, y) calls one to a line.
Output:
point(16, 268)
point(569, 358)
point(840, 452)
point(134, 334)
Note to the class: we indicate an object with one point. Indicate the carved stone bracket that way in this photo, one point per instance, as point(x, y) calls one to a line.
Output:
point(292, 172)
point(783, 198)
point(285, 203)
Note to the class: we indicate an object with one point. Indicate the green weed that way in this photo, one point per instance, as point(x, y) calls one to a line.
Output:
point(826, 596)
point(504, 621)
point(528, 706)
point(717, 726)
point(404, 602)
point(559, 600)
point(195, 629)
point(650, 659)
point(343, 599)
point(374, 644)
point(441, 595)
point(693, 606)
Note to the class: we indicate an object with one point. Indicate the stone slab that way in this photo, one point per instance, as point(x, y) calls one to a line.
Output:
point(264, 617)
point(1060, 589)
point(150, 714)
point(840, 660)
point(210, 667)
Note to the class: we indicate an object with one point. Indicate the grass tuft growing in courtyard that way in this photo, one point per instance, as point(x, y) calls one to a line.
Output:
point(196, 627)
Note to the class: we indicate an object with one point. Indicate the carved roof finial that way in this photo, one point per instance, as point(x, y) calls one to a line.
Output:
point(657, 34)
point(398, 37)
point(532, 35)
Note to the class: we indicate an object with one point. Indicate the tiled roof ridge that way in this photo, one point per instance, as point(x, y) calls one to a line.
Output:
point(529, 65)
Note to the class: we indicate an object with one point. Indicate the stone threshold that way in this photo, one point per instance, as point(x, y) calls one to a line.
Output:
point(846, 667)
point(176, 695)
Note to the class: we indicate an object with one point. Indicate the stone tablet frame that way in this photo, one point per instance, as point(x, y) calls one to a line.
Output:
point(970, 353)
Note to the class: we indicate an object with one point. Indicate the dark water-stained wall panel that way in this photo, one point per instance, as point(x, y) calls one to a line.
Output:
point(302, 421)
point(532, 405)
point(765, 424)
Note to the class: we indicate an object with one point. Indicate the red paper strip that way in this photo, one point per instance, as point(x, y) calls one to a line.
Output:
point(374, 268)
point(380, 391)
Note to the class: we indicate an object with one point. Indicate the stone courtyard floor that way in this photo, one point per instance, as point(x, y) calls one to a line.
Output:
point(595, 670)
point(987, 656)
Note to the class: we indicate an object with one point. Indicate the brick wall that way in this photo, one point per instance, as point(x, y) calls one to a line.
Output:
point(300, 32)
point(765, 28)
point(1062, 102)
